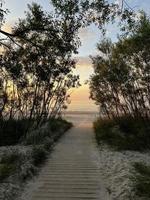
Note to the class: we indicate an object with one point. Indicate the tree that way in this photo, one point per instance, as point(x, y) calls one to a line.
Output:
point(36, 66)
point(78, 12)
point(121, 80)
point(40, 75)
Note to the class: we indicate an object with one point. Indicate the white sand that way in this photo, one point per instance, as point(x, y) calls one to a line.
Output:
point(116, 169)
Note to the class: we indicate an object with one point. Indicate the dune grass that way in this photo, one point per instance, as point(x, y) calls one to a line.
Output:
point(124, 133)
point(12, 130)
point(142, 180)
point(8, 164)
point(48, 133)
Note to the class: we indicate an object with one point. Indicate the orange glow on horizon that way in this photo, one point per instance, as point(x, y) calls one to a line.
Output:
point(80, 100)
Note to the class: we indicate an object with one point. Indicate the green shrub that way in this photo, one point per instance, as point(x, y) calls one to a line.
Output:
point(57, 124)
point(124, 133)
point(28, 170)
point(8, 164)
point(12, 130)
point(48, 143)
point(11, 158)
point(142, 180)
point(36, 137)
point(53, 129)
point(6, 170)
point(39, 155)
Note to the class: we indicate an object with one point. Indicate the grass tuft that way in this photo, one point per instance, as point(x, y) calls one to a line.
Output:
point(142, 180)
point(8, 165)
point(6, 170)
point(39, 155)
point(52, 130)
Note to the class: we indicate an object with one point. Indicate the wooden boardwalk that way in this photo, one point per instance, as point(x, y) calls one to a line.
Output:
point(72, 170)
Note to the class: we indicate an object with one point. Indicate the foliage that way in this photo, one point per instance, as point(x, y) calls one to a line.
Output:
point(23, 165)
point(8, 164)
point(11, 131)
point(14, 131)
point(37, 74)
point(98, 12)
point(104, 132)
point(124, 133)
point(11, 158)
point(28, 170)
point(81, 12)
point(59, 123)
point(6, 170)
point(120, 83)
point(37, 136)
point(37, 66)
point(48, 132)
point(3, 12)
point(39, 155)
point(142, 180)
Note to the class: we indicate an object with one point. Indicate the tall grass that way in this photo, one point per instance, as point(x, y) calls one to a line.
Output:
point(124, 133)
point(8, 164)
point(12, 130)
point(50, 132)
point(142, 180)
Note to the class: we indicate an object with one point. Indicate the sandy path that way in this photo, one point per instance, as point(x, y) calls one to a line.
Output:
point(72, 171)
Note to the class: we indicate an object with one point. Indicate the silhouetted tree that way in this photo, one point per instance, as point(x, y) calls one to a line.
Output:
point(37, 65)
point(121, 80)
point(36, 78)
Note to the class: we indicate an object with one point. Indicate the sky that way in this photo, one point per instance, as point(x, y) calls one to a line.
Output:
point(90, 36)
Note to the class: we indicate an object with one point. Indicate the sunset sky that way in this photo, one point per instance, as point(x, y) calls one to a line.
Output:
point(89, 37)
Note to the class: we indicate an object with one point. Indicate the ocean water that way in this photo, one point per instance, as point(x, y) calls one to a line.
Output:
point(77, 117)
